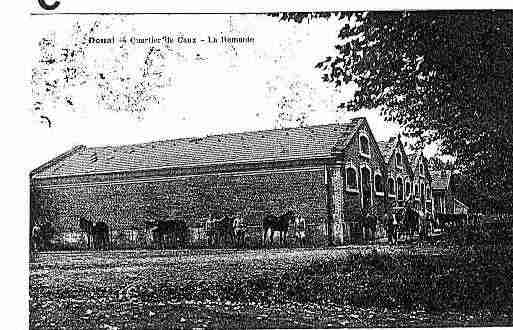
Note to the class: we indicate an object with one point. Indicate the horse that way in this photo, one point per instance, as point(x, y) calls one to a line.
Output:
point(410, 222)
point(220, 230)
point(390, 221)
point(99, 232)
point(239, 229)
point(369, 223)
point(428, 223)
point(168, 232)
point(300, 230)
point(101, 236)
point(272, 223)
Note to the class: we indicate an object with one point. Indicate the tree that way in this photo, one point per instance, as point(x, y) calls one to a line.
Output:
point(444, 76)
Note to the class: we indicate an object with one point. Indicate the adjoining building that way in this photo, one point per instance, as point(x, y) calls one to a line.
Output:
point(399, 174)
point(443, 194)
point(422, 182)
point(325, 173)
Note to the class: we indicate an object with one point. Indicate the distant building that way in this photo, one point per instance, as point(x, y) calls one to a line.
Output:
point(443, 194)
point(460, 207)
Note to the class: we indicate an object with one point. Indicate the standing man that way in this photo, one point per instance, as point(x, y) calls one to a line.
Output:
point(239, 229)
point(300, 230)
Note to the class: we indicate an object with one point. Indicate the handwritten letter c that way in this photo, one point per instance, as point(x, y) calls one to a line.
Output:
point(45, 6)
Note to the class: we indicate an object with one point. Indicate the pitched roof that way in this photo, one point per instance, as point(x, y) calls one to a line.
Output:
point(440, 179)
point(277, 144)
point(387, 147)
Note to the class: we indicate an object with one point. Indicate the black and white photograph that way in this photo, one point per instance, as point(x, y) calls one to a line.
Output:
point(269, 169)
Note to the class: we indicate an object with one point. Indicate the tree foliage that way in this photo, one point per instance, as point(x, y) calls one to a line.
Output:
point(444, 76)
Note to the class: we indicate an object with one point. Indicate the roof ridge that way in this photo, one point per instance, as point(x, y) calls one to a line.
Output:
point(219, 135)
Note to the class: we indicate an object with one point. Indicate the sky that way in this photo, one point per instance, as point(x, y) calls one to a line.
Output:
point(105, 94)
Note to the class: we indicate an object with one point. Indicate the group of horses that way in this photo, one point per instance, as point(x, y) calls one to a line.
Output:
point(223, 231)
point(451, 222)
point(227, 230)
point(97, 234)
point(232, 230)
point(399, 223)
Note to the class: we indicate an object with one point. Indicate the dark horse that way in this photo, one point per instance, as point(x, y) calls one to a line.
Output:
point(220, 230)
point(168, 232)
point(369, 223)
point(410, 223)
point(280, 224)
point(99, 232)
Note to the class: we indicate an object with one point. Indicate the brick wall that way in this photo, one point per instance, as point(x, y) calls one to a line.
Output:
point(125, 206)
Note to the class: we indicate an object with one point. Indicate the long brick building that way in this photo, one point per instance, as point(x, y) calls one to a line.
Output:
point(328, 174)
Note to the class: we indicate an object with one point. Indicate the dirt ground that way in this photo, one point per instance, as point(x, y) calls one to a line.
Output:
point(124, 289)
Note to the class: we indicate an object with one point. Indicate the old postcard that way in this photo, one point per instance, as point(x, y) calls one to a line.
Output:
point(342, 168)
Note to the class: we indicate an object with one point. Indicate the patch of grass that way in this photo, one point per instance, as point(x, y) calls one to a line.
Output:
point(468, 280)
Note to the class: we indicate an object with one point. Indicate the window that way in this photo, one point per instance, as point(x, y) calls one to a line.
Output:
point(399, 159)
point(378, 184)
point(408, 189)
point(364, 145)
point(416, 191)
point(421, 169)
point(400, 189)
point(366, 185)
point(351, 179)
point(366, 179)
point(391, 187)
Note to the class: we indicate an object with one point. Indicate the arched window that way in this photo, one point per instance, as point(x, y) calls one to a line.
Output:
point(400, 189)
point(366, 179)
point(399, 159)
point(364, 145)
point(391, 187)
point(378, 184)
point(421, 169)
point(407, 188)
point(416, 190)
point(351, 179)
